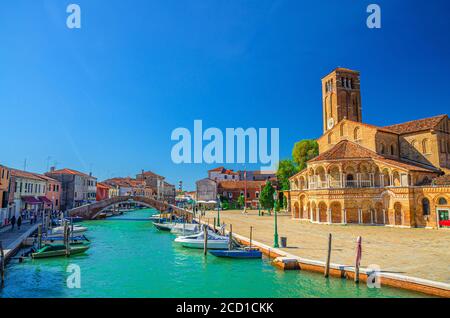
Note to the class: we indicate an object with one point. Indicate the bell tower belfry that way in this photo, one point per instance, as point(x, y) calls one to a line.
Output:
point(341, 97)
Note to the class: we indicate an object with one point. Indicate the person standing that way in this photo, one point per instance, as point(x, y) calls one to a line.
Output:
point(19, 222)
point(13, 222)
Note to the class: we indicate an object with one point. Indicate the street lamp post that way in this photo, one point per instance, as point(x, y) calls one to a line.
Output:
point(218, 210)
point(275, 234)
point(259, 209)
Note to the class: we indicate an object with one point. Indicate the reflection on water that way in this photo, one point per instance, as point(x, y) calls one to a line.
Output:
point(133, 259)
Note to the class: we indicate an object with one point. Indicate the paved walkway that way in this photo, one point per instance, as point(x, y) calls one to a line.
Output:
point(11, 240)
point(422, 253)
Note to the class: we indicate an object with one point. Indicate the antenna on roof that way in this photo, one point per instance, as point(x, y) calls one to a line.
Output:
point(48, 162)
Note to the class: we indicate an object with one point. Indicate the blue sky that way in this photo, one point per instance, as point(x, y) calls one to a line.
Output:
point(107, 97)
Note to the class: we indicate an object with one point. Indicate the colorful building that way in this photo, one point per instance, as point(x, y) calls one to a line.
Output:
point(366, 174)
point(4, 190)
point(102, 191)
point(28, 191)
point(52, 194)
point(77, 188)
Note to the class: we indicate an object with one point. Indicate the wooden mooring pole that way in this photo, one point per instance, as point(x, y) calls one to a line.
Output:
point(2, 265)
point(251, 234)
point(327, 265)
point(205, 235)
point(214, 225)
point(39, 236)
point(358, 258)
point(230, 238)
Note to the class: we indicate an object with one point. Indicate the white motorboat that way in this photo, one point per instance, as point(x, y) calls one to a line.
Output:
point(215, 241)
point(59, 230)
point(164, 226)
point(185, 229)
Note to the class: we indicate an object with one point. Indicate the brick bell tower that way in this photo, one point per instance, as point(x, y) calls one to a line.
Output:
point(341, 97)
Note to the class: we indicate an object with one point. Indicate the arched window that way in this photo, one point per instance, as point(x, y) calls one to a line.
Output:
point(443, 146)
point(426, 206)
point(425, 146)
point(356, 133)
point(382, 149)
point(342, 129)
point(330, 138)
point(393, 149)
point(442, 201)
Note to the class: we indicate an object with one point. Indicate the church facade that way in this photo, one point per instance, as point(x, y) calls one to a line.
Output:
point(393, 176)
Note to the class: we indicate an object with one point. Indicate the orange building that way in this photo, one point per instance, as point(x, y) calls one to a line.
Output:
point(102, 191)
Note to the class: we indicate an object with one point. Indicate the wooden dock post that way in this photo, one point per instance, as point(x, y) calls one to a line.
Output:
point(66, 238)
point(214, 225)
point(39, 236)
point(327, 265)
point(251, 234)
point(358, 258)
point(230, 238)
point(2, 265)
point(205, 235)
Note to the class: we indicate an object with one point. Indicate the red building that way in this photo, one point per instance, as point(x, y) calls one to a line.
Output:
point(52, 199)
point(102, 191)
point(234, 189)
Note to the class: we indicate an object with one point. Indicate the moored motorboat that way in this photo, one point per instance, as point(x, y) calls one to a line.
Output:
point(215, 241)
point(163, 226)
point(185, 229)
point(244, 253)
point(55, 250)
point(59, 230)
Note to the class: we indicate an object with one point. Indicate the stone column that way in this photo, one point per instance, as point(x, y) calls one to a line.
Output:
point(318, 214)
point(359, 216)
point(310, 214)
point(344, 216)
point(329, 215)
point(371, 216)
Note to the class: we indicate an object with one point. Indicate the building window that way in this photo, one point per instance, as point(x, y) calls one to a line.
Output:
point(392, 150)
point(382, 149)
point(356, 133)
point(442, 201)
point(257, 194)
point(425, 146)
point(426, 206)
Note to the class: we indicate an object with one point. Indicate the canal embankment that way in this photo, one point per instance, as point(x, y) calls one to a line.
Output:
point(392, 250)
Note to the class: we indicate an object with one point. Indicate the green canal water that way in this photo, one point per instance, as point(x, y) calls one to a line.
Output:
point(133, 259)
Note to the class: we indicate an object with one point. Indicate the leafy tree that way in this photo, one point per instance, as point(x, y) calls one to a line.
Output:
point(266, 196)
point(284, 202)
point(286, 169)
point(225, 205)
point(303, 151)
point(241, 200)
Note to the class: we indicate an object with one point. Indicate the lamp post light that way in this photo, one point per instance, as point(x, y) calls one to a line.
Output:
point(218, 210)
point(259, 209)
point(275, 234)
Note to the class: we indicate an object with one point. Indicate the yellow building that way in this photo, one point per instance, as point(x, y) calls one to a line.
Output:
point(373, 175)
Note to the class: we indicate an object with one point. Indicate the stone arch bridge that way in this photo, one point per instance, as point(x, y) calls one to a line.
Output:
point(91, 211)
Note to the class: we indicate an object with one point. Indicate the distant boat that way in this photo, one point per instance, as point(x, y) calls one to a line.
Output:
point(238, 253)
point(215, 241)
point(60, 250)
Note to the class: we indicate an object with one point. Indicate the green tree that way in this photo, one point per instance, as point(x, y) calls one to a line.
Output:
point(303, 151)
point(266, 196)
point(241, 200)
point(225, 205)
point(286, 169)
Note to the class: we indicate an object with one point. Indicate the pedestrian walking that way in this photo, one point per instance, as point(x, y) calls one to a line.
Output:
point(13, 222)
point(19, 222)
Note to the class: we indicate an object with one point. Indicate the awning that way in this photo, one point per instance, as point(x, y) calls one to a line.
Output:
point(31, 200)
point(45, 200)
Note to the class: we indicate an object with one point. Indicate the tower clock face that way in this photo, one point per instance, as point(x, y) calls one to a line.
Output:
point(330, 123)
